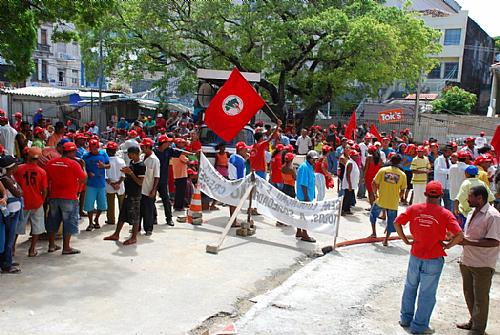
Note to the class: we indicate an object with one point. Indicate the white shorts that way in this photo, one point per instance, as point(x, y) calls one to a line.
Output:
point(37, 218)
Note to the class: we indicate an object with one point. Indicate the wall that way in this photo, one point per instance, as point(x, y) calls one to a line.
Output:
point(478, 58)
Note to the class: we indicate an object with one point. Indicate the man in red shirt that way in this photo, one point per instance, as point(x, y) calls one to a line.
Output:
point(258, 153)
point(33, 182)
point(65, 176)
point(429, 223)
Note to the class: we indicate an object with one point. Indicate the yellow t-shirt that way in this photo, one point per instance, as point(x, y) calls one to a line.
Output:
point(483, 176)
point(390, 180)
point(419, 164)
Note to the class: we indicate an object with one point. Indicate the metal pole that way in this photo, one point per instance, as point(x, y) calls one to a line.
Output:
point(100, 72)
point(417, 98)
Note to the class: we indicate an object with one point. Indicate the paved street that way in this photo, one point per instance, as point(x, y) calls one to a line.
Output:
point(168, 284)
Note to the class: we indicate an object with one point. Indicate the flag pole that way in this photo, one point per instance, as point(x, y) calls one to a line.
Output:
point(270, 109)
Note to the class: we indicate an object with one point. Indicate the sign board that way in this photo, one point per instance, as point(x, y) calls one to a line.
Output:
point(391, 115)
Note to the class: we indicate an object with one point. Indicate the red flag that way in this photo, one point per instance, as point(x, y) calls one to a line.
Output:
point(232, 107)
point(495, 141)
point(374, 132)
point(351, 127)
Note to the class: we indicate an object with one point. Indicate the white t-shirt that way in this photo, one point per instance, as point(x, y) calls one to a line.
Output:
point(303, 144)
point(354, 175)
point(132, 142)
point(152, 171)
point(8, 138)
point(480, 142)
point(114, 174)
point(364, 152)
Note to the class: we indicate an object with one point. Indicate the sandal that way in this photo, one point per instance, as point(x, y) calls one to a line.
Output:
point(89, 228)
point(97, 226)
point(34, 254)
point(308, 239)
point(71, 251)
point(54, 248)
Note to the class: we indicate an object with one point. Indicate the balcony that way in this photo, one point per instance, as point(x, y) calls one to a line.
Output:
point(43, 48)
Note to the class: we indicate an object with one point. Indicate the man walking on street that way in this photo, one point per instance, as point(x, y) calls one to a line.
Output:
point(389, 185)
point(303, 143)
point(149, 186)
point(306, 187)
point(350, 182)
point(429, 223)
point(479, 258)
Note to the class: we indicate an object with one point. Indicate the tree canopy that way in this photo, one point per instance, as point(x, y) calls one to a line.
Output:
point(311, 51)
point(20, 20)
point(454, 101)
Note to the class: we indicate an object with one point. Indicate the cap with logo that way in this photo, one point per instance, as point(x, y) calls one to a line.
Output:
point(111, 145)
point(434, 189)
point(69, 146)
point(147, 142)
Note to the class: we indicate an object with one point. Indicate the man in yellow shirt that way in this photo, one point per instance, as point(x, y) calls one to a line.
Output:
point(388, 187)
point(483, 163)
point(420, 168)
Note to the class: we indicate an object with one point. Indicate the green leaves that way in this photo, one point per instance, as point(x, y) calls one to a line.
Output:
point(455, 101)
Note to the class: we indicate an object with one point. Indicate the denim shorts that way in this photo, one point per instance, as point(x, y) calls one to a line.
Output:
point(63, 210)
point(95, 195)
point(391, 217)
point(37, 219)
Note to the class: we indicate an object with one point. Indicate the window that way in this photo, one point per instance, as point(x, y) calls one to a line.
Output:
point(435, 73)
point(74, 77)
point(44, 71)
point(43, 36)
point(60, 75)
point(34, 75)
point(452, 36)
point(450, 70)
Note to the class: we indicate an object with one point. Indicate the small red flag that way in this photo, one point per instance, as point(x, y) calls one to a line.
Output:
point(495, 141)
point(233, 106)
point(374, 132)
point(351, 127)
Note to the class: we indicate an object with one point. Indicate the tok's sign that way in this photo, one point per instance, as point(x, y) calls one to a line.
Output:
point(391, 115)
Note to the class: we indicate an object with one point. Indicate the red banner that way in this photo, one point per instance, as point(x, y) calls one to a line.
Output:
point(391, 115)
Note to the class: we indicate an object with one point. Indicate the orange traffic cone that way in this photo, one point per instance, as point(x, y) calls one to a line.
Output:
point(194, 213)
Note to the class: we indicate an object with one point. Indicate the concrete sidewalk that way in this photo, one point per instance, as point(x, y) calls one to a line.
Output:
point(357, 290)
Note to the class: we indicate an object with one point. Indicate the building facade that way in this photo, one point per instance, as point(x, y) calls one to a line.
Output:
point(56, 63)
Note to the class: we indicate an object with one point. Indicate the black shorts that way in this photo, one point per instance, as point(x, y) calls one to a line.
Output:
point(289, 190)
point(130, 211)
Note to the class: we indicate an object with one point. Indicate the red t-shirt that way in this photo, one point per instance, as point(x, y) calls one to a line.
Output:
point(195, 146)
point(65, 176)
point(428, 226)
point(276, 165)
point(33, 180)
point(161, 123)
point(258, 156)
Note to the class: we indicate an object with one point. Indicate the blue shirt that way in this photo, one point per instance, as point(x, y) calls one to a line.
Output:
point(236, 167)
point(164, 158)
point(122, 124)
point(306, 177)
point(37, 118)
point(387, 151)
point(98, 180)
point(80, 152)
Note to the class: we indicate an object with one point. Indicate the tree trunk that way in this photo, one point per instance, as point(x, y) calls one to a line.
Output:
point(309, 116)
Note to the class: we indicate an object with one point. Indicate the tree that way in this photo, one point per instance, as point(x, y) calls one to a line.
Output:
point(21, 18)
point(308, 51)
point(454, 101)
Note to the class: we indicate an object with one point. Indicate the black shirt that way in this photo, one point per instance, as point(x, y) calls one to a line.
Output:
point(164, 158)
point(131, 187)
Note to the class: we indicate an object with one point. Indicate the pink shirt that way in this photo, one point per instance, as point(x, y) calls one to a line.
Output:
point(486, 224)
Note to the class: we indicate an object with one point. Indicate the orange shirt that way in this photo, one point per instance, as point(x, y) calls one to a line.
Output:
point(179, 166)
point(221, 159)
point(54, 139)
point(288, 179)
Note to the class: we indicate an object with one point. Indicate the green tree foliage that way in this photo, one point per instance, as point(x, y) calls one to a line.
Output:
point(455, 101)
point(311, 51)
point(21, 18)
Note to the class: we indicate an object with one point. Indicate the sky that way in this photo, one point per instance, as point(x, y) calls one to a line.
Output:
point(485, 12)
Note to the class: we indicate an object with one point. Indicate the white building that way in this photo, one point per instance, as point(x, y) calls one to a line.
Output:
point(56, 64)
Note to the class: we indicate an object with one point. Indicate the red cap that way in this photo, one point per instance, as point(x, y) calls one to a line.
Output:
point(92, 123)
point(18, 115)
point(2, 112)
point(290, 148)
point(326, 148)
point(391, 154)
point(454, 144)
point(164, 138)
point(468, 139)
point(454, 154)
point(147, 142)
point(183, 124)
point(289, 156)
point(80, 136)
point(482, 133)
point(132, 133)
point(241, 145)
point(111, 145)
point(191, 172)
point(463, 154)
point(37, 131)
point(386, 139)
point(150, 117)
point(40, 109)
point(353, 153)
point(332, 126)
point(259, 123)
point(179, 140)
point(94, 143)
point(434, 188)
point(372, 148)
point(433, 144)
point(420, 148)
point(350, 142)
point(69, 146)
point(280, 147)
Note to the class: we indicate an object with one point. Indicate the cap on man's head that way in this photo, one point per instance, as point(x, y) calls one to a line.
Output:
point(69, 146)
point(434, 189)
point(353, 153)
point(132, 133)
point(7, 161)
point(241, 145)
point(63, 141)
point(312, 154)
point(420, 148)
point(34, 152)
point(280, 147)
point(482, 133)
point(164, 139)
point(472, 170)
point(470, 139)
point(94, 143)
point(147, 142)
point(289, 156)
point(111, 145)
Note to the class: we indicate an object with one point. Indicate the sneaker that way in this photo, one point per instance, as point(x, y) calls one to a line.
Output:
point(404, 325)
point(170, 223)
point(149, 233)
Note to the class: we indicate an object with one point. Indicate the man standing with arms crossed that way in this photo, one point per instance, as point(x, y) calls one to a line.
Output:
point(306, 188)
point(429, 223)
point(479, 258)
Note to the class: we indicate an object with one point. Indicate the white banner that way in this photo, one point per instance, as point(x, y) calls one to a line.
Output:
point(316, 216)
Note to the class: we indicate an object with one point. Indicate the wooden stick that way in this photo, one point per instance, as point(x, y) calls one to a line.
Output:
point(271, 110)
point(338, 224)
point(214, 249)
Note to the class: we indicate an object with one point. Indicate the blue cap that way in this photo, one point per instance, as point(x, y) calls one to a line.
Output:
point(472, 170)
point(63, 140)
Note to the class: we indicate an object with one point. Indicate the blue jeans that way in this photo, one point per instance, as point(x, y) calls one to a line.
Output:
point(391, 216)
point(423, 273)
point(62, 210)
point(447, 203)
point(10, 223)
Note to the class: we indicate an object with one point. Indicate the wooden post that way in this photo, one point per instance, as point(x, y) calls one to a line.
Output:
point(338, 224)
point(247, 228)
point(214, 249)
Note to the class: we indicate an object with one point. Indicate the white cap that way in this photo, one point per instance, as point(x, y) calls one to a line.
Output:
point(159, 115)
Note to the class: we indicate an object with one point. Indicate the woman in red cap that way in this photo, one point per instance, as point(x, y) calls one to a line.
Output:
point(322, 166)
